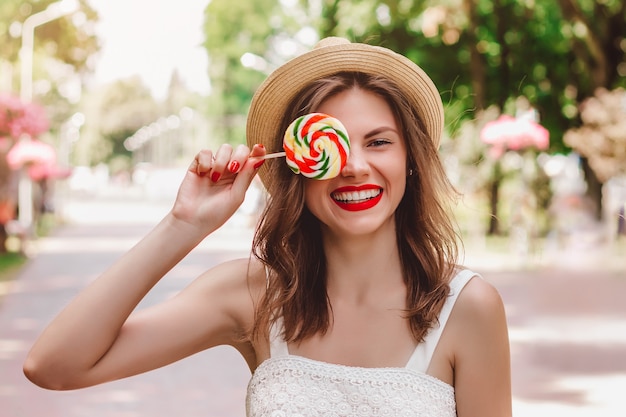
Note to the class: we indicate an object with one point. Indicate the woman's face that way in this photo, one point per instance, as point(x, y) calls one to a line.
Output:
point(364, 197)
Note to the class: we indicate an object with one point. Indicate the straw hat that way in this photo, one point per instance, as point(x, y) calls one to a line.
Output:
point(330, 56)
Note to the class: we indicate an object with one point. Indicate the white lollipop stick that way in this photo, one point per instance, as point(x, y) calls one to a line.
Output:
point(274, 155)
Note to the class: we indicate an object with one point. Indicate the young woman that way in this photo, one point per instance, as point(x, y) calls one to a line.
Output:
point(351, 303)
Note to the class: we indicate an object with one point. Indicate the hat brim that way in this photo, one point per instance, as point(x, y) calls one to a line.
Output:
point(272, 98)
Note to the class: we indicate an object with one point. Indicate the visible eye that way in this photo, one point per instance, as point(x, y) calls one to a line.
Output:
point(379, 142)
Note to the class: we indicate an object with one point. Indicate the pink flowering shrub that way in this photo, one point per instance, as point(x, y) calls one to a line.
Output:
point(18, 118)
point(510, 133)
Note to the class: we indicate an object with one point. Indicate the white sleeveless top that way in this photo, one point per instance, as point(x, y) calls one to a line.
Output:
point(294, 386)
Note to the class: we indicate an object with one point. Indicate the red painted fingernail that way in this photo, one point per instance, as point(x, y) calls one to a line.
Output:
point(215, 176)
point(233, 167)
point(258, 164)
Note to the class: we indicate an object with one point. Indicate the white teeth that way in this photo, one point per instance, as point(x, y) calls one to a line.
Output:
point(356, 195)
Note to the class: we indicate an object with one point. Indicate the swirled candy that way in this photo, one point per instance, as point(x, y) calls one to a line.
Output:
point(317, 146)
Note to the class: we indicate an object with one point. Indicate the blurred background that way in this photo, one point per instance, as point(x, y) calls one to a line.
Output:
point(94, 93)
point(104, 100)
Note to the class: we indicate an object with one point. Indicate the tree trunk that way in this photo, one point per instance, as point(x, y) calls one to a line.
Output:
point(594, 189)
point(502, 26)
point(494, 197)
point(476, 66)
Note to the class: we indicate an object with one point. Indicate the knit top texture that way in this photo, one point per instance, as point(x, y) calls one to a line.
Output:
point(288, 385)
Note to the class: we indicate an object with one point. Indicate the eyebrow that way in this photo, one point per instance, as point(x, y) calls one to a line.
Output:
point(380, 130)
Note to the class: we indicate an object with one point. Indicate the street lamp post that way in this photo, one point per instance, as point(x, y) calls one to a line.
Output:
point(52, 12)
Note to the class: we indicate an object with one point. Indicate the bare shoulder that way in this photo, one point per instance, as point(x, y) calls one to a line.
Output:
point(478, 315)
point(241, 272)
point(479, 300)
point(229, 290)
point(480, 347)
point(478, 323)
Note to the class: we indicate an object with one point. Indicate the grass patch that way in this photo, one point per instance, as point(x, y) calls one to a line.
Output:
point(10, 264)
point(12, 260)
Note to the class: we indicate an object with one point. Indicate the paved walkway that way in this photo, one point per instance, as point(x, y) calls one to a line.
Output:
point(567, 325)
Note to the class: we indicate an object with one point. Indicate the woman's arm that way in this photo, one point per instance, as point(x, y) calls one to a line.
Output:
point(95, 338)
point(482, 369)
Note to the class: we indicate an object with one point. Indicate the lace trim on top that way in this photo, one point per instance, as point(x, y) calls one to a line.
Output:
point(300, 387)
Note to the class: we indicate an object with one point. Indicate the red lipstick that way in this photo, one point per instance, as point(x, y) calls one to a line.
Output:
point(357, 198)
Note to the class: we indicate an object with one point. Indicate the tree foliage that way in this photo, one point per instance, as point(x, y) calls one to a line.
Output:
point(479, 52)
point(261, 29)
point(482, 54)
point(63, 51)
point(125, 107)
point(70, 39)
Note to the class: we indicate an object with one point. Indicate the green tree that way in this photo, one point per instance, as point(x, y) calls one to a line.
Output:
point(482, 53)
point(63, 51)
point(257, 28)
point(116, 112)
point(69, 39)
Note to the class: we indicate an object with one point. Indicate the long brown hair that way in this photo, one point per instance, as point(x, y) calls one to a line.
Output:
point(289, 242)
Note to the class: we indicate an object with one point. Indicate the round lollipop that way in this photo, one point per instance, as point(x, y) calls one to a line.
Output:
point(317, 146)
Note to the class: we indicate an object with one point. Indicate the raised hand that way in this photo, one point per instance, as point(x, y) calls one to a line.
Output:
point(215, 185)
point(95, 339)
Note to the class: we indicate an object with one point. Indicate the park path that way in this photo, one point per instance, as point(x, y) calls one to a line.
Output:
point(566, 315)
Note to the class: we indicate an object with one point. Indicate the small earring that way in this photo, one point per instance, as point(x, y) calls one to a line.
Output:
point(410, 172)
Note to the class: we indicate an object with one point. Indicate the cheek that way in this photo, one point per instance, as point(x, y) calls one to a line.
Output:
point(310, 193)
point(400, 184)
point(314, 195)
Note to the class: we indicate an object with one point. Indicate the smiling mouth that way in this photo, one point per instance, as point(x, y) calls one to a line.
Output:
point(356, 197)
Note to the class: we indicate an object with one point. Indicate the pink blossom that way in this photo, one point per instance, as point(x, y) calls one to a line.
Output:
point(18, 118)
point(30, 151)
point(39, 172)
point(508, 132)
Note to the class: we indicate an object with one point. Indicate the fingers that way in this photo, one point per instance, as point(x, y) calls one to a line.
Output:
point(207, 163)
point(227, 162)
point(220, 162)
point(258, 151)
point(238, 159)
point(252, 164)
point(202, 163)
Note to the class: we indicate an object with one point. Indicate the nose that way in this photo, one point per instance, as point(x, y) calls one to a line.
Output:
point(356, 165)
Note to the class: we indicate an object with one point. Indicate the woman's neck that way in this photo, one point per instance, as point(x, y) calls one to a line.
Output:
point(363, 266)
